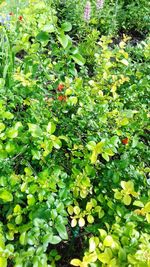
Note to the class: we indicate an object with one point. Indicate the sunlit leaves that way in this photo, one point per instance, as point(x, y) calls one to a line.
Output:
point(5, 195)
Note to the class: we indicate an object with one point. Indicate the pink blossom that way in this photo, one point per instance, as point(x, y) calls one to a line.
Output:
point(87, 11)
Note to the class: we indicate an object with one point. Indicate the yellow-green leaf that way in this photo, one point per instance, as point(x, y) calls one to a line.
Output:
point(127, 200)
point(3, 262)
point(5, 195)
point(75, 262)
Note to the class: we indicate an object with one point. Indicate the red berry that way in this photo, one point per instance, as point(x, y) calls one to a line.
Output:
point(60, 87)
point(20, 18)
point(60, 97)
point(125, 141)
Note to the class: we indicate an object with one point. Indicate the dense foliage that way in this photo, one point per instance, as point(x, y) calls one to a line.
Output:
point(74, 134)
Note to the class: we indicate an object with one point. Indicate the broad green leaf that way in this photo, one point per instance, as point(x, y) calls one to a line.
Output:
point(90, 219)
point(8, 115)
point(66, 26)
point(42, 36)
point(76, 210)
point(62, 231)
point(105, 156)
point(10, 147)
point(12, 133)
point(5, 195)
point(70, 210)
point(124, 62)
point(78, 59)
point(138, 203)
point(63, 39)
point(23, 238)
point(109, 152)
point(54, 239)
point(92, 257)
point(127, 186)
point(75, 262)
point(18, 219)
point(103, 233)
point(117, 195)
point(51, 127)
point(127, 200)
point(108, 241)
point(35, 130)
point(48, 28)
point(105, 257)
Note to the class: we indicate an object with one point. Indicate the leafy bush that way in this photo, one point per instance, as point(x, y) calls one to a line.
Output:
point(74, 146)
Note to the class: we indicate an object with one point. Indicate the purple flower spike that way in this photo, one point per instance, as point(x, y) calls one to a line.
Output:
point(100, 4)
point(87, 11)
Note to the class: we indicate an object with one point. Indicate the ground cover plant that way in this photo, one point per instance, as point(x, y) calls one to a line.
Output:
point(74, 134)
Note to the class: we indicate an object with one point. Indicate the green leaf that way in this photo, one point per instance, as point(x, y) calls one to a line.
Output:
point(106, 256)
point(108, 241)
point(63, 39)
point(148, 217)
point(2, 126)
point(56, 141)
point(35, 130)
point(147, 207)
point(90, 219)
point(8, 115)
point(48, 28)
point(66, 26)
point(5, 195)
point(138, 203)
point(124, 62)
point(76, 210)
point(127, 200)
point(12, 133)
point(91, 145)
point(62, 231)
point(78, 59)
point(51, 127)
point(42, 36)
point(75, 262)
point(117, 195)
point(105, 156)
point(72, 100)
point(54, 239)
point(123, 122)
point(94, 157)
point(23, 238)
point(3, 262)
